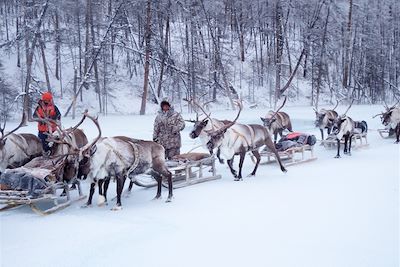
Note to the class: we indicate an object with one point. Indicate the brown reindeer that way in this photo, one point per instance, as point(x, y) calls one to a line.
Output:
point(277, 121)
point(17, 149)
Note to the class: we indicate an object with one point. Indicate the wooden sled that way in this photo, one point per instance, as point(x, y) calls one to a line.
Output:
point(13, 198)
point(386, 133)
point(291, 156)
point(359, 140)
point(48, 172)
point(187, 169)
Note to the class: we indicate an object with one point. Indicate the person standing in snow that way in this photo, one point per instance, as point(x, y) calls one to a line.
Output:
point(167, 127)
point(46, 110)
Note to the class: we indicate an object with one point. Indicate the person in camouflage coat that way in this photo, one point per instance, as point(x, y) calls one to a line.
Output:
point(167, 127)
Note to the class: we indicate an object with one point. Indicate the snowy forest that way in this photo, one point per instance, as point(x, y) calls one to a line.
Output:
point(126, 56)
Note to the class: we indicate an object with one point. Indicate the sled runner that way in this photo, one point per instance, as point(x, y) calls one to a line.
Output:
point(359, 140)
point(290, 156)
point(386, 133)
point(187, 169)
point(31, 185)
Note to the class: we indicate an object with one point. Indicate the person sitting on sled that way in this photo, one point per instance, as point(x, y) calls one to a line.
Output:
point(48, 111)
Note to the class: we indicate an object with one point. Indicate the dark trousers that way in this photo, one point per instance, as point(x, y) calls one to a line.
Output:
point(43, 136)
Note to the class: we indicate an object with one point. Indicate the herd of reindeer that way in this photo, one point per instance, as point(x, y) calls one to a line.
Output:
point(73, 157)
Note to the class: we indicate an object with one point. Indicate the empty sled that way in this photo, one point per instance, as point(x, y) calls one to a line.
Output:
point(187, 169)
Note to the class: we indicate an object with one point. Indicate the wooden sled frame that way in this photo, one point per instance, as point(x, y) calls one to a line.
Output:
point(13, 198)
point(385, 133)
point(185, 173)
point(289, 156)
point(359, 140)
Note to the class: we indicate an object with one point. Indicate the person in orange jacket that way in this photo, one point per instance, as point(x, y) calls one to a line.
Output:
point(46, 110)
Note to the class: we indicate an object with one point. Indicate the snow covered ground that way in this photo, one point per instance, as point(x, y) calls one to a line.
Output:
point(330, 212)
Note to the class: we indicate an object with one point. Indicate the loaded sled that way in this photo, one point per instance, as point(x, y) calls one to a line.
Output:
point(187, 169)
point(294, 148)
point(38, 182)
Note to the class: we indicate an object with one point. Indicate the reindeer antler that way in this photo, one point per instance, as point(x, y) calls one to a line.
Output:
point(352, 101)
point(229, 124)
point(88, 147)
point(3, 136)
point(283, 103)
point(71, 129)
point(193, 102)
point(337, 104)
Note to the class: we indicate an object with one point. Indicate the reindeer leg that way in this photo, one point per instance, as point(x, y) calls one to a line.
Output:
point(219, 156)
point(349, 152)
point(91, 192)
point(106, 184)
point(230, 162)
point(322, 133)
point(397, 133)
point(271, 147)
point(158, 178)
point(338, 149)
point(101, 200)
point(258, 159)
point(120, 187)
point(275, 136)
point(241, 159)
point(168, 175)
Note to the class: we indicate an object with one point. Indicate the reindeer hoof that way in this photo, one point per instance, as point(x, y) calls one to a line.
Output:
point(238, 179)
point(169, 199)
point(86, 206)
point(116, 208)
point(251, 175)
point(337, 157)
point(348, 154)
point(221, 161)
point(156, 197)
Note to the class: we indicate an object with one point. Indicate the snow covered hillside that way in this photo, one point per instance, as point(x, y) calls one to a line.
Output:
point(330, 212)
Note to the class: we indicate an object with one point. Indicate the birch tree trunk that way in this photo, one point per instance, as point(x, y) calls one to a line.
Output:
point(147, 59)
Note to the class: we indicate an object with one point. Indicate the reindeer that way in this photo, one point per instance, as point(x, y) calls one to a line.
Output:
point(76, 139)
point(277, 121)
point(17, 149)
point(121, 157)
point(238, 139)
point(324, 119)
point(391, 119)
point(343, 126)
point(202, 127)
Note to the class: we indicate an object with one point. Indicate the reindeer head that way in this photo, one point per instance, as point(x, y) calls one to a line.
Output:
point(319, 117)
point(198, 127)
point(386, 115)
point(271, 116)
point(337, 123)
point(217, 136)
point(267, 122)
